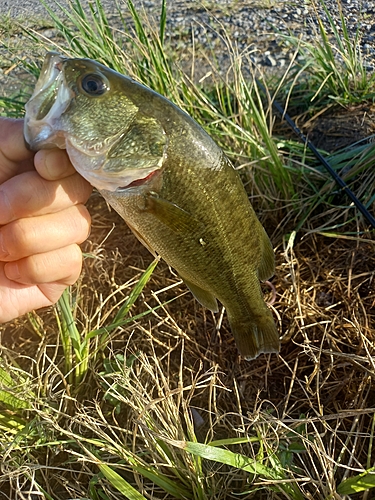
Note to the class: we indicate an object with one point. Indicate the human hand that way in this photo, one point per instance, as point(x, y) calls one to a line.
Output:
point(42, 221)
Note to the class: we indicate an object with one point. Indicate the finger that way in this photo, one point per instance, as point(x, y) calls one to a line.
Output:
point(59, 266)
point(53, 164)
point(28, 194)
point(52, 292)
point(17, 299)
point(14, 156)
point(24, 237)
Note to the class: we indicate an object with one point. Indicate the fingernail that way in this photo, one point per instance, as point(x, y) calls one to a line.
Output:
point(12, 271)
point(3, 251)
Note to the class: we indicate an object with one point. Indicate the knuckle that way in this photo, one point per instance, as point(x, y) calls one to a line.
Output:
point(76, 188)
point(75, 264)
point(36, 267)
point(82, 222)
point(62, 265)
point(18, 237)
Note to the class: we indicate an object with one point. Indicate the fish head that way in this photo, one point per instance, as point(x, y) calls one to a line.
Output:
point(89, 109)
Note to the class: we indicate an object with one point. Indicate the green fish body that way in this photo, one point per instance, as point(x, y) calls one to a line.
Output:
point(168, 179)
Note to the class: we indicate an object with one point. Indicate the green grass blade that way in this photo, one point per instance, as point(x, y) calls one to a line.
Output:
point(141, 34)
point(168, 485)
point(71, 340)
point(12, 401)
point(70, 329)
point(11, 423)
point(230, 458)
point(114, 325)
point(356, 484)
point(5, 378)
point(12, 107)
point(8, 391)
point(163, 21)
point(239, 461)
point(120, 484)
point(135, 293)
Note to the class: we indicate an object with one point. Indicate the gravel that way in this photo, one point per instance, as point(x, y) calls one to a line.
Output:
point(259, 24)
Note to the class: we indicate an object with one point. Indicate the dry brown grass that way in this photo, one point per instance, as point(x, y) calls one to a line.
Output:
point(318, 392)
point(323, 377)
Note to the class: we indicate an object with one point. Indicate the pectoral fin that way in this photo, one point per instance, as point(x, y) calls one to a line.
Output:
point(203, 297)
point(176, 218)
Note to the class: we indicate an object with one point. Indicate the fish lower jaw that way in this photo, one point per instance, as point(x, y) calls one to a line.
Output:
point(42, 136)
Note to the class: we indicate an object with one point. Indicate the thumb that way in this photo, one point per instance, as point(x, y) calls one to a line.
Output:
point(15, 158)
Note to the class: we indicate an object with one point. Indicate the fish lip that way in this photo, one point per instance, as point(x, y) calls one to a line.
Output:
point(40, 130)
point(52, 61)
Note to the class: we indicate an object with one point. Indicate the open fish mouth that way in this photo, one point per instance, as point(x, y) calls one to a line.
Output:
point(48, 102)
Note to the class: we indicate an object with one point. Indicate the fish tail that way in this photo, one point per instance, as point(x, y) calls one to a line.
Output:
point(253, 338)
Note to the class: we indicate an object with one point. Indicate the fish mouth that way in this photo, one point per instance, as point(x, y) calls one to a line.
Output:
point(48, 102)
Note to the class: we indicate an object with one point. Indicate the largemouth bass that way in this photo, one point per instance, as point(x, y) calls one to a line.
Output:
point(169, 181)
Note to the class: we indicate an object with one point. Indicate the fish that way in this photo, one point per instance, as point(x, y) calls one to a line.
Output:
point(167, 178)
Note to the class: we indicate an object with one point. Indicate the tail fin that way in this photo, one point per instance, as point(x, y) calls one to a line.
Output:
point(253, 338)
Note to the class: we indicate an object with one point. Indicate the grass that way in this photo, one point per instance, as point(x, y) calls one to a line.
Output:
point(335, 63)
point(128, 388)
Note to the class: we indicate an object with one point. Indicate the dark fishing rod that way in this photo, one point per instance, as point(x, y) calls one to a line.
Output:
point(322, 160)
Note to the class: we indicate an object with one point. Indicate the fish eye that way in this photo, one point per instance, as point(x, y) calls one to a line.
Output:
point(94, 84)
